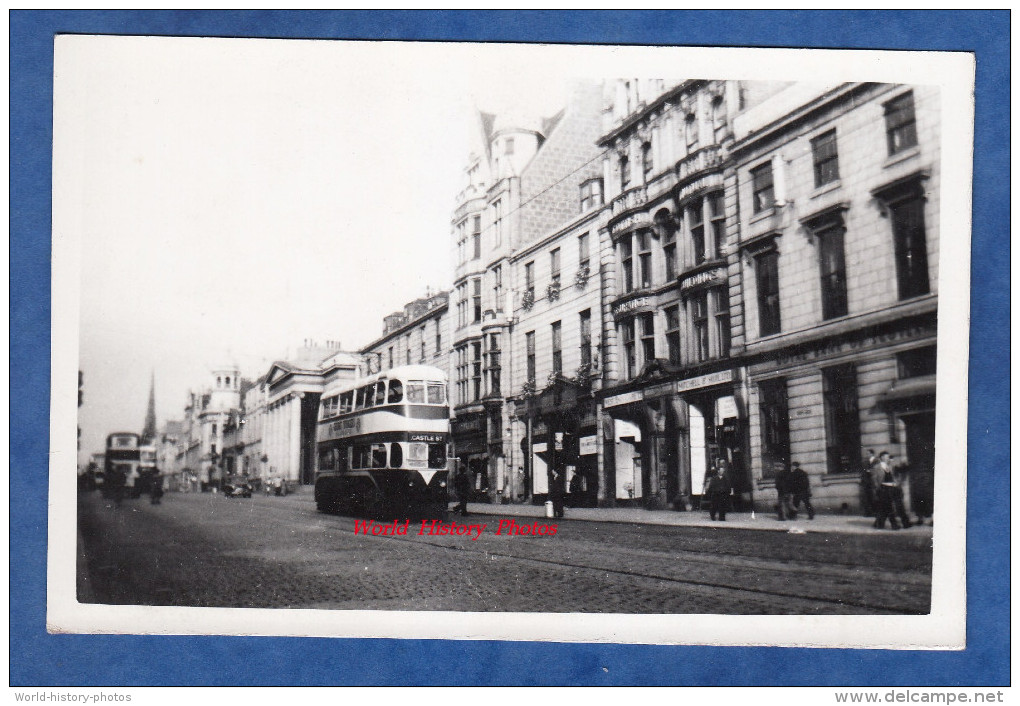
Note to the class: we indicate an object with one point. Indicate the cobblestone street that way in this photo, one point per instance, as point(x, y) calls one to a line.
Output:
point(273, 552)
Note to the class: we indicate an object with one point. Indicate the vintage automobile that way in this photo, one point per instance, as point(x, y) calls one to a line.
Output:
point(236, 487)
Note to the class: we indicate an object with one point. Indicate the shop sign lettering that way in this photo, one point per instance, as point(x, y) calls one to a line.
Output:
point(624, 398)
point(587, 445)
point(701, 279)
point(723, 376)
point(630, 305)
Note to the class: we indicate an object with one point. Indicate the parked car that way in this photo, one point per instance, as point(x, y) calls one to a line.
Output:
point(236, 487)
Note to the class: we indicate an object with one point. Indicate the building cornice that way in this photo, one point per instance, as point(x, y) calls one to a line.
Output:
point(637, 116)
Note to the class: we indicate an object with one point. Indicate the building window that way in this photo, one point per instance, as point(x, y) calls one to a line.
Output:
point(907, 218)
point(647, 161)
point(557, 347)
point(629, 352)
point(721, 297)
point(390, 365)
point(647, 337)
point(826, 158)
point(422, 358)
point(585, 325)
point(775, 425)
point(718, 216)
point(497, 288)
point(591, 194)
point(627, 260)
point(673, 333)
point(691, 131)
point(529, 339)
point(493, 364)
point(497, 223)
point(832, 262)
point(666, 229)
point(462, 305)
point(583, 252)
point(529, 279)
point(900, 127)
point(439, 335)
point(842, 419)
point(476, 299)
point(766, 271)
point(407, 349)
point(915, 362)
point(462, 374)
point(699, 324)
point(554, 266)
point(476, 238)
point(761, 184)
point(476, 370)
point(644, 248)
point(624, 173)
point(462, 242)
point(508, 145)
point(696, 218)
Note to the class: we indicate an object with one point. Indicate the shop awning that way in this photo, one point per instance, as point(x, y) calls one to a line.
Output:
point(910, 393)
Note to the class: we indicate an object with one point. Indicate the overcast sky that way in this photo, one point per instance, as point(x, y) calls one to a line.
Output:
point(240, 196)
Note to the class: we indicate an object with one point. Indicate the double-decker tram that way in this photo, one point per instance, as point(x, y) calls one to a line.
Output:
point(382, 445)
point(120, 470)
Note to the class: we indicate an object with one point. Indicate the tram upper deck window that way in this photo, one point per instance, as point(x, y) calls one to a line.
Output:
point(380, 392)
point(437, 393)
point(396, 391)
point(416, 392)
point(347, 401)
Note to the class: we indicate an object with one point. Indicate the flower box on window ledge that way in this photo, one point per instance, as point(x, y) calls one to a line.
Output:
point(528, 299)
point(585, 373)
point(581, 276)
point(552, 292)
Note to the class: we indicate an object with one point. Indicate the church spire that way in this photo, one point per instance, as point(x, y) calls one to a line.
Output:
point(149, 432)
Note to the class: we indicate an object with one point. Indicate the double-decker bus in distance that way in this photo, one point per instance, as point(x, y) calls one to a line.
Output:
point(382, 445)
point(121, 462)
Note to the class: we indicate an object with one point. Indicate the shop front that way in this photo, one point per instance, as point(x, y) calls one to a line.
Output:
point(471, 450)
point(669, 433)
point(832, 402)
point(562, 439)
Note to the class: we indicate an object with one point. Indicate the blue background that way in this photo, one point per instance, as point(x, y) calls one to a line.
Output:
point(41, 659)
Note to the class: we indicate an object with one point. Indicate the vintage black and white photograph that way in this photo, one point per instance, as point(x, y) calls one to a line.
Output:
point(576, 343)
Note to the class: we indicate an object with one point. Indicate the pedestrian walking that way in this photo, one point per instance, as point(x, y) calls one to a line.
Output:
point(462, 484)
point(867, 489)
point(888, 495)
point(156, 488)
point(784, 492)
point(801, 487)
point(557, 489)
point(718, 487)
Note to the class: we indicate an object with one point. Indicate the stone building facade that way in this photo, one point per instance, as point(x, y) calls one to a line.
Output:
point(522, 183)
point(838, 196)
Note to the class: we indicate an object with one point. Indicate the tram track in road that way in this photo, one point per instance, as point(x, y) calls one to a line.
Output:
point(809, 574)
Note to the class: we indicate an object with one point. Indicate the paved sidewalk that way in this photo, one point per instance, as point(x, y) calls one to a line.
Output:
point(850, 524)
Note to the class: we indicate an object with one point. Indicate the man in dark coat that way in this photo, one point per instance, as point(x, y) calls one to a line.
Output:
point(557, 489)
point(462, 484)
point(717, 489)
point(784, 492)
point(801, 489)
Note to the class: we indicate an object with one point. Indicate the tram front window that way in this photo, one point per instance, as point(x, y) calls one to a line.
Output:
point(416, 392)
point(437, 393)
point(396, 391)
point(437, 455)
